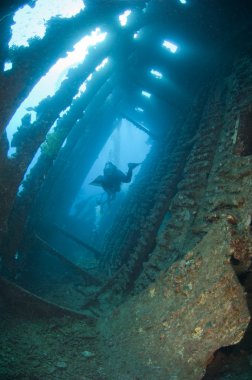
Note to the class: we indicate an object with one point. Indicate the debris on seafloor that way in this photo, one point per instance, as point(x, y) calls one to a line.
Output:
point(87, 354)
point(61, 364)
point(19, 299)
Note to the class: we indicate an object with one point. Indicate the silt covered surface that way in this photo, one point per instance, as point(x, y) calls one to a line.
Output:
point(172, 329)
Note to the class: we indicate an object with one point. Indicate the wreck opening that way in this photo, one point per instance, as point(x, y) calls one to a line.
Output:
point(166, 88)
point(30, 21)
point(91, 214)
point(51, 82)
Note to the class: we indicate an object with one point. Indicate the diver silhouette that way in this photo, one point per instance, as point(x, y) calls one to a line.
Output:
point(112, 179)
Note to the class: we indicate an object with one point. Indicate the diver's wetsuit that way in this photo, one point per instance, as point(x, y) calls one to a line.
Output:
point(113, 177)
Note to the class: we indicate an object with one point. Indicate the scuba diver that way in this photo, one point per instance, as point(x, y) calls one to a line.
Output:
point(112, 179)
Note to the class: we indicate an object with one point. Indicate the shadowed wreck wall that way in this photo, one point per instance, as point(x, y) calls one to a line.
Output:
point(181, 240)
point(197, 181)
point(206, 219)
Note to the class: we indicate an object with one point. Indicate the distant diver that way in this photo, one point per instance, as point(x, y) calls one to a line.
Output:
point(112, 179)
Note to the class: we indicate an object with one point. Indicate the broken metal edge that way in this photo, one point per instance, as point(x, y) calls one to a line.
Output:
point(22, 301)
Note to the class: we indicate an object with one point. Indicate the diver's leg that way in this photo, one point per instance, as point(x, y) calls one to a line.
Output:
point(128, 176)
point(110, 197)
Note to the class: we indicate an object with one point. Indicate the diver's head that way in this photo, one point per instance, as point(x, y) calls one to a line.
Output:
point(109, 168)
point(109, 165)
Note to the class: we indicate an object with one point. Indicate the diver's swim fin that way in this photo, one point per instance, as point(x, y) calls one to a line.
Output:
point(98, 181)
point(132, 165)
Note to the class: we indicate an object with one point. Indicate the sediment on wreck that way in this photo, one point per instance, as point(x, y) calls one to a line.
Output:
point(197, 305)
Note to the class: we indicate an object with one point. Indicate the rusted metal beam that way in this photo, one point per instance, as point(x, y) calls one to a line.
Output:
point(89, 278)
point(140, 126)
point(22, 301)
point(95, 251)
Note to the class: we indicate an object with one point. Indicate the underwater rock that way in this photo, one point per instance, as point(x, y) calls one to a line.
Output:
point(87, 354)
point(61, 364)
point(232, 219)
point(172, 329)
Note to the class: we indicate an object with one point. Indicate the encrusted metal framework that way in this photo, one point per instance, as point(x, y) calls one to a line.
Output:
point(165, 212)
point(181, 240)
